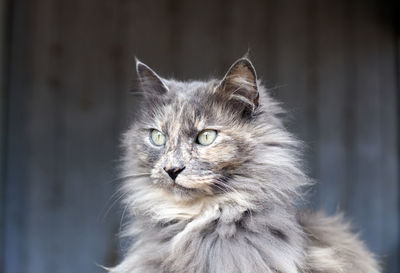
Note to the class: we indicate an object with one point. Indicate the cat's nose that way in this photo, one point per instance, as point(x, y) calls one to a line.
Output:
point(173, 171)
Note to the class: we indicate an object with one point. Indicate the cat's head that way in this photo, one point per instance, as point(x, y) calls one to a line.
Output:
point(203, 139)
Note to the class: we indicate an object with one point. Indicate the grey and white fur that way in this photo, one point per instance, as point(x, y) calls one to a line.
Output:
point(233, 207)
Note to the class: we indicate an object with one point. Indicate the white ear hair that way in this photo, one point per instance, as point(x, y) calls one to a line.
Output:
point(240, 83)
point(149, 80)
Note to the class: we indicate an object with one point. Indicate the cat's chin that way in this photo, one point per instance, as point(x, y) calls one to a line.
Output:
point(184, 193)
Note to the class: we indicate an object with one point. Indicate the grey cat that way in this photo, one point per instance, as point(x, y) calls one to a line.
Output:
point(212, 180)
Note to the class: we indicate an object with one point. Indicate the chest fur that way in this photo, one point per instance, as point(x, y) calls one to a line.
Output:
point(209, 244)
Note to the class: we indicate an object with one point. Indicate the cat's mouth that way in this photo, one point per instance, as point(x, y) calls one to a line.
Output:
point(184, 193)
point(182, 187)
point(192, 190)
point(187, 184)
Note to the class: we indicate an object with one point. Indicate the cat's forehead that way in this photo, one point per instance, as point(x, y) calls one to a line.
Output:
point(189, 89)
point(186, 106)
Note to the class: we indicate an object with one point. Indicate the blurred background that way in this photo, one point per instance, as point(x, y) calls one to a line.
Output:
point(66, 68)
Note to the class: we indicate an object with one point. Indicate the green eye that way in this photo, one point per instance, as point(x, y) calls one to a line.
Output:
point(157, 138)
point(206, 137)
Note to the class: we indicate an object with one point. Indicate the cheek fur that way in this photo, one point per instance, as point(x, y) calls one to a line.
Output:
point(218, 154)
point(146, 153)
point(224, 154)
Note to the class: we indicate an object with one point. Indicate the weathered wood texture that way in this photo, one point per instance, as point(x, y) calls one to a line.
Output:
point(3, 69)
point(334, 65)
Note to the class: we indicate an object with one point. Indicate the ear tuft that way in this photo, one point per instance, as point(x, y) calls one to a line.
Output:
point(149, 81)
point(240, 83)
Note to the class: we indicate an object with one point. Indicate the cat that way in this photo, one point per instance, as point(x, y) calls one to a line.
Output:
point(212, 180)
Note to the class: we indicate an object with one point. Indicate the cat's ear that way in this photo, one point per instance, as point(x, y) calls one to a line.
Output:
point(149, 81)
point(240, 83)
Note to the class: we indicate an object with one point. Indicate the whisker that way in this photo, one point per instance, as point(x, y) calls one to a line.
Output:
point(112, 205)
point(122, 217)
point(103, 212)
point(220, 187)
point(130, 176)
point(222, 183)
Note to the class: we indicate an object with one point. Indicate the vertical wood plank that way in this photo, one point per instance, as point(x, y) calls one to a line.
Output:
point(389, 157)
point(74, 136)
point(376, 175)
point(366, 202)
point(211, 35)
point(331, 102)
point(17, 142)
point(4, 38)
point(292, 60)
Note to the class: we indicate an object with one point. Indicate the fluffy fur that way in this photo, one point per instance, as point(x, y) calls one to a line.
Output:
point(233, 207)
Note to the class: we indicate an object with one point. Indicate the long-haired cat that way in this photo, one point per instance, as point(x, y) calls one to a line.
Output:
point(211, 182)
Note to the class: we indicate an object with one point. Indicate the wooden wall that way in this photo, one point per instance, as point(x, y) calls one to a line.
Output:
point(334, 65)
